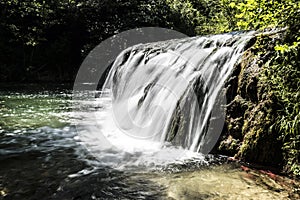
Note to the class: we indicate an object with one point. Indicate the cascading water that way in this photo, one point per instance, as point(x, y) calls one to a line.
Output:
point(165, 96)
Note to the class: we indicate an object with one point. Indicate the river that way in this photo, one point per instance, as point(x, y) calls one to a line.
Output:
point(42, 157)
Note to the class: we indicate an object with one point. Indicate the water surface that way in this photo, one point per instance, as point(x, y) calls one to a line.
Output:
point(42, 157)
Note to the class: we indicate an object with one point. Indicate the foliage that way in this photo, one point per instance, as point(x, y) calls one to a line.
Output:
point(281, 75)
point(202, 16)
point(261, 14)
point(31, 34)
point(47, 40)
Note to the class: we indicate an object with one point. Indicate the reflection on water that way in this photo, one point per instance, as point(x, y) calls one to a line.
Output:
point(42, 158)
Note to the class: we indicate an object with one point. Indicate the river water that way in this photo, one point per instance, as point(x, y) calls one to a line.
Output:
point(42, 157)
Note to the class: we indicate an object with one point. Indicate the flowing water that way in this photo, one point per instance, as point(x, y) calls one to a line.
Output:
point(163, 101)
point(143, 138)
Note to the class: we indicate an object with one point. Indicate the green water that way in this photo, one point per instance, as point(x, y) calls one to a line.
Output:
point(22, 108)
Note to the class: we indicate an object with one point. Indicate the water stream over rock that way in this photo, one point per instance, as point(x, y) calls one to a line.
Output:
point(146, 137)
point(165, 95)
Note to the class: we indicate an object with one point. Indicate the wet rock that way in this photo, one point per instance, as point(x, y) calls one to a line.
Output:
point(248, 133)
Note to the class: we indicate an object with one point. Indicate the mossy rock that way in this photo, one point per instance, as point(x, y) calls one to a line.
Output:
point(251, 111)
point(260, 144)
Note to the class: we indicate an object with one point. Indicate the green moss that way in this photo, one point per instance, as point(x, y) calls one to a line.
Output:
point(229, 145)
point(268, 86)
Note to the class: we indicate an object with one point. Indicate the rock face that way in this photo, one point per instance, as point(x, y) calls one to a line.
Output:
point(250, 112)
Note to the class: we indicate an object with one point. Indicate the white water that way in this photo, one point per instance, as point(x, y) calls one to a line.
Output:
point(145, 87)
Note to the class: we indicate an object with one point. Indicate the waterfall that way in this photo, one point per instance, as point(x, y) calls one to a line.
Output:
point(169, 93)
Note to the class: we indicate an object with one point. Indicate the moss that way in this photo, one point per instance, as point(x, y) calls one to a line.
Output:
point(260, 145)
point(230, 145)
point(248, 132)
point(263, 108)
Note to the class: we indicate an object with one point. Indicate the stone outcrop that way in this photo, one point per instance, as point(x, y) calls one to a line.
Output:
point(248, 133)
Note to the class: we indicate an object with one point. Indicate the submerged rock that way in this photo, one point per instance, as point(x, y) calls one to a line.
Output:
point(224, 182)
